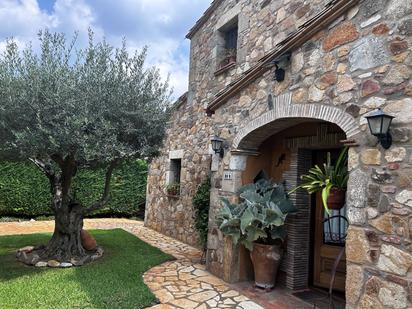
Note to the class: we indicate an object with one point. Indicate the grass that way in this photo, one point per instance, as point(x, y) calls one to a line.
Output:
point(48, 218)
point(114, 281)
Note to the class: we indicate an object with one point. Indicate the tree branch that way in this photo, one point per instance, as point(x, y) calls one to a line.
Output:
point(58, 159)
point(106, 191)
point(45, 168)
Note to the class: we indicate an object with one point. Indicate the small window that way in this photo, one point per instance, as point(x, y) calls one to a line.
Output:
point(228, 37)
point(175, 170)
point(231, 39)
point(173, 184)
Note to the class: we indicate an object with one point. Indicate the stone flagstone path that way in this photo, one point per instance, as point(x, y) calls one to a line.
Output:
point(182, 283)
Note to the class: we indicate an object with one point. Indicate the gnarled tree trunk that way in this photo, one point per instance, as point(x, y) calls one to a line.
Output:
point(65, 244)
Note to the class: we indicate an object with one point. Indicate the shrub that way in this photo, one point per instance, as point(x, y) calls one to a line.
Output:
point(201, 205)
point(25, 191)
point(259, 217)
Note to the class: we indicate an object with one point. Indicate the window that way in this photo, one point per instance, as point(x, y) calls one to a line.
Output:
point(173, 181)
point(231, 38)
point(175, 171)
point(335, 228)
point(227, 44)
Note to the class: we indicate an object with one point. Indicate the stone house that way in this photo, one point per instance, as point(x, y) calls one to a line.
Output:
point(342, 59)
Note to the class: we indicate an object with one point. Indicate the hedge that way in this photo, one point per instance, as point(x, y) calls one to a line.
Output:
point(25, 191)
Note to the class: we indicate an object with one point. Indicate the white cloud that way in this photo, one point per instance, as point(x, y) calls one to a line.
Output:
point(160, 24)
point(21, 20)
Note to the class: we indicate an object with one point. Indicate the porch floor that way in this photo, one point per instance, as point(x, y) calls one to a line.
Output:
point(283, 298)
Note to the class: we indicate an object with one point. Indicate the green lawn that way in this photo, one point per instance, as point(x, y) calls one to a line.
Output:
point(114, 281)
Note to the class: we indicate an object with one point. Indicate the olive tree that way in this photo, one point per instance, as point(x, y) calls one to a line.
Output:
point(65, 108)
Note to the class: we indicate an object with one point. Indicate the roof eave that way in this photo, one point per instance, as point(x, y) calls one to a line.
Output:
point(331, 12)
point(202, 20)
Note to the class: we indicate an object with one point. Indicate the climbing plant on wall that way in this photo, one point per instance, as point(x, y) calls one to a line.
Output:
point(201, 205)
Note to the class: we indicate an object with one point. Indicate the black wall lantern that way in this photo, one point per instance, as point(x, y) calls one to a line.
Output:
point(379, 125)
point(279, 64)
point(217, 145)
point(279, 74)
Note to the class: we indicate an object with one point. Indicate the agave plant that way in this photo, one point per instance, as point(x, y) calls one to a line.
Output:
point(324, 179)
point(259, 217)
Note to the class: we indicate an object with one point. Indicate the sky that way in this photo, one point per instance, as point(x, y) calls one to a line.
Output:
point(160, 24)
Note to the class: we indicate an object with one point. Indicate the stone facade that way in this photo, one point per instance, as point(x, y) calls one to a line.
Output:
point(359, 62)
point(187, 139)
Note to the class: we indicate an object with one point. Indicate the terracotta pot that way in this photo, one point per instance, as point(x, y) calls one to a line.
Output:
point(172, 192)
point(88, 241)
point(336, 199)
point(266, 261)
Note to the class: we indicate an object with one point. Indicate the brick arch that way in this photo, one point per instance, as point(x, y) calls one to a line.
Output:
point(284, 115)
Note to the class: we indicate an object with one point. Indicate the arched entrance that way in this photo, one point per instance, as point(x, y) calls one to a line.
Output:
point(283, 157)
point(284, 115)
point(303, 130)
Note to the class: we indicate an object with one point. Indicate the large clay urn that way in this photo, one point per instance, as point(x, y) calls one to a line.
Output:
point(88, 241)
point(266, 261)
point(336, 199)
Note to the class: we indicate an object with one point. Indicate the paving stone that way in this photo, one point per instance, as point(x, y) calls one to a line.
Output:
point(203, 296)
point(162, 306)
point(230, 294)
point(212, 303)
point(184, 303)
point(164, 295)
point(250, 305)
point(200, 273)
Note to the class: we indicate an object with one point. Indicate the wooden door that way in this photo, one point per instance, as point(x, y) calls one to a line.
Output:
point(328, 243)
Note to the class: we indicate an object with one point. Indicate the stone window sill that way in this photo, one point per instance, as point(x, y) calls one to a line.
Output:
point(225, 68)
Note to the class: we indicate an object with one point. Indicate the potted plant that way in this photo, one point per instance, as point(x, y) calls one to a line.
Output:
point(258, 222)
point(231, 54)
point(330, 179)
point(173, 189)
point(229, 57)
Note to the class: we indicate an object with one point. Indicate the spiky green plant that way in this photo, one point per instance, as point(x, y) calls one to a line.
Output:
point(323, 179)
point(259, 217)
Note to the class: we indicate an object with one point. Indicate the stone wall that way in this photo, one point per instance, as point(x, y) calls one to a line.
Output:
point(187, 139)
point(359, 63)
